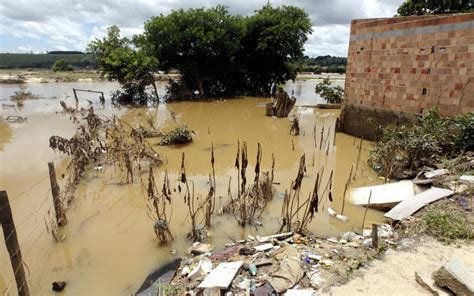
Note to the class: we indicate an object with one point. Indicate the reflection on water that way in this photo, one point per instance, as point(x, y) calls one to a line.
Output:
point(110, 245)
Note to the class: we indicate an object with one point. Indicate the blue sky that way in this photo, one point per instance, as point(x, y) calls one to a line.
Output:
point(39, 26)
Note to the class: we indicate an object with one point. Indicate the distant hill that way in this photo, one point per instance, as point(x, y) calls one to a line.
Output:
point(76, 59)
point(325, 63)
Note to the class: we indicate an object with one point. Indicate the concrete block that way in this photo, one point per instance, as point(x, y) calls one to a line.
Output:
point(455, 276)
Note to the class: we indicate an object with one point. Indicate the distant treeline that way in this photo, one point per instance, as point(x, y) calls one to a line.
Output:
point(76, 59)
point(81, 60)
point(328, 64)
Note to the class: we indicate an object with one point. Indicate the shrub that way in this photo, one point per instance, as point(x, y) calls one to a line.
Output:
point(410, 147)
point(62, 65)
point(331, 94)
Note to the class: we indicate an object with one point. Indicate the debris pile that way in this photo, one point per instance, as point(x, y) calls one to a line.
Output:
point(179, 135)
point(274, 264)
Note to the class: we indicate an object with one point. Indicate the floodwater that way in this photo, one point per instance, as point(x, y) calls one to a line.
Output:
point(110, 246)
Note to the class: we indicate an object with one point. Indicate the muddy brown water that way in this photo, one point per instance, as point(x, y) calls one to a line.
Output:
point(110, 245)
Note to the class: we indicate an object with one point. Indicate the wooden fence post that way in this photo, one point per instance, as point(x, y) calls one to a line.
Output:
point(61, 219)
point(75, 95)
point(375, 236)
point(13, 248)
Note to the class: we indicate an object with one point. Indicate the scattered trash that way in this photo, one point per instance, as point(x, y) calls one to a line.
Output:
point(288, 275)
point(58, 286)
point(315, 279)
point(342, 218)
point(436, 173)
point(264, 247)
point(202, 268)
point(331, 212)
point(253, 269)
point(279, 236)
point(199, 249)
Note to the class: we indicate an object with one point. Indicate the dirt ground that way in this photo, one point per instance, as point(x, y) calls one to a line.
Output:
point(394, 274)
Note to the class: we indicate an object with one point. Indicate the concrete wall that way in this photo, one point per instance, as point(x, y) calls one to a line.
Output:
point(408, 65)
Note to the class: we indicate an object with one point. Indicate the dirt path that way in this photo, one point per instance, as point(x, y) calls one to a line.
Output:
point(395, 273)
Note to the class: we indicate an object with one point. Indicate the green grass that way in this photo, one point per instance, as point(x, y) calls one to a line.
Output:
point(447, 226)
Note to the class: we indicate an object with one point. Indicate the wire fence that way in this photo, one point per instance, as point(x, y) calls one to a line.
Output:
point(35, 234)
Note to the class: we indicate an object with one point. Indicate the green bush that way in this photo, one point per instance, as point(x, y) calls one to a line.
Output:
point(466, 125)
point(331, 94)
point(62, 65)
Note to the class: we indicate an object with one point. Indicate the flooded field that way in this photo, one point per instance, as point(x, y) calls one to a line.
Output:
point(110, 245)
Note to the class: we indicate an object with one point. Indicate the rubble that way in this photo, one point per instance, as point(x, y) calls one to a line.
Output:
point(284, 262)
point(455, 276)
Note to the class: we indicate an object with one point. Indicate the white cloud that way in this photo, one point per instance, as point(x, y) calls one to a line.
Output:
point(42, 25)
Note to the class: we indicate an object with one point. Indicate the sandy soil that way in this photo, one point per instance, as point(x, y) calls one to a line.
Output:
point(395, 273)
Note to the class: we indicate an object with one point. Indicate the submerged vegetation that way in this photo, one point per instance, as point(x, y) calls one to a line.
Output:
point(179, 135)
point(215, 53)
point(402, 149)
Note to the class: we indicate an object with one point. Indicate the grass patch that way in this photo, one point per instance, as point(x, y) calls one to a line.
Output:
point(447, 226)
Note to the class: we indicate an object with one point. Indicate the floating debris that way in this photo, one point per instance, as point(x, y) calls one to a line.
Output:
point(180, 135)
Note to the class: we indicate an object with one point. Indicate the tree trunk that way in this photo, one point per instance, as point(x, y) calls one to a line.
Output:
point(154, 87)
point(282, 105)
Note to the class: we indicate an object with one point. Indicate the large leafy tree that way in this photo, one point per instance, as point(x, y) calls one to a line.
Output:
point(199, 43)
point(120, 60)
point(421, 7)
point(273, 43)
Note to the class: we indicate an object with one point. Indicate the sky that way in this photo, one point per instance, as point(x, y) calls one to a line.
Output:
point(41, 26)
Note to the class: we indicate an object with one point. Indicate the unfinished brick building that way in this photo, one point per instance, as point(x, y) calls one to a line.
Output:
point(402, 66)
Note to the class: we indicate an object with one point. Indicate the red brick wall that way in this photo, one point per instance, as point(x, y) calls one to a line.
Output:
point(412, 64)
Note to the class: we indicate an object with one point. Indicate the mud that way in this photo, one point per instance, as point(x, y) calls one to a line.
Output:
point(110, 244)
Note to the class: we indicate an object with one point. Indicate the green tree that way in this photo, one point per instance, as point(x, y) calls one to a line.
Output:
point(422, 7)
point(272, 45)
point(199, 43)
point(120, 60)
point(62, 65)
point(331, 94)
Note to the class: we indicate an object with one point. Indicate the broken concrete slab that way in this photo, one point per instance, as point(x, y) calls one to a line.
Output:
point(455, 276)
point(436, 173)
point(467, 178)
point(382, 197)
point(423, 278)
point(411, 205)
point(222, 276)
